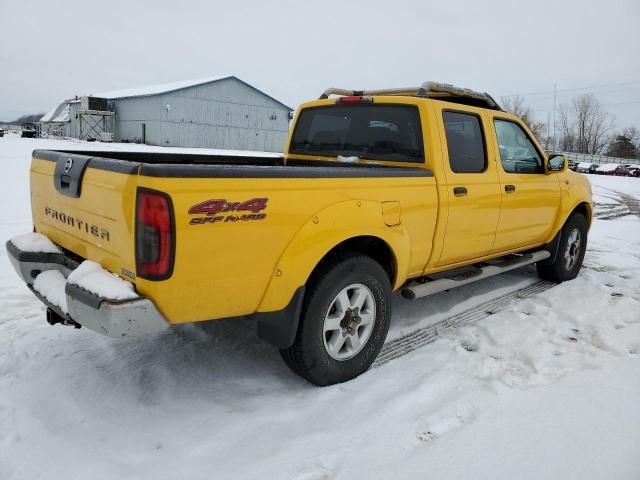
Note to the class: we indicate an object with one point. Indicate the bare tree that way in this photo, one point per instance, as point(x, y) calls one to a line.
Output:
point(593, 124)
point(584, 125)
point(567, 136)
point(515, 104)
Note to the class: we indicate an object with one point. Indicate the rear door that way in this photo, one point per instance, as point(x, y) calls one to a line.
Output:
point(473, 191)
point(530, 198)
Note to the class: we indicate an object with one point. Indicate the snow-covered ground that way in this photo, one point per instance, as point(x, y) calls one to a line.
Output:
point(547, 388)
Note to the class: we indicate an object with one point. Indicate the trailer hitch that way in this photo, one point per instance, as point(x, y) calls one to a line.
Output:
point(54, 318)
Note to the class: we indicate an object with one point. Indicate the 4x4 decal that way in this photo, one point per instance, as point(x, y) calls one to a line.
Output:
point(221, 210)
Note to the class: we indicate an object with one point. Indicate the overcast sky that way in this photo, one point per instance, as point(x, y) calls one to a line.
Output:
point(51, 50)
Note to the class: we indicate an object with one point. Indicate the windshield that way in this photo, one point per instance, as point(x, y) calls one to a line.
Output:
point(379, 132)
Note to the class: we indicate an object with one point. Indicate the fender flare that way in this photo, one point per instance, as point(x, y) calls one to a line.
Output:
point(554, 243)
point(318, 236)
point(577, 195)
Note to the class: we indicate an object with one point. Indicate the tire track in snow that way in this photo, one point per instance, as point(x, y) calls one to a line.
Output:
point(424, 336)
point(628, 206)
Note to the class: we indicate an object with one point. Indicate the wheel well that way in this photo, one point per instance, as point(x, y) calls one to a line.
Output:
point(373, 247)
point(585, 209)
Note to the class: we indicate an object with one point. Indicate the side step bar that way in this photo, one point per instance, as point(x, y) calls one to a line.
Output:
point(442, 284)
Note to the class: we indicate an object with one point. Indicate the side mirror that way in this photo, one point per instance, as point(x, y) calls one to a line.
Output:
point(556, 163)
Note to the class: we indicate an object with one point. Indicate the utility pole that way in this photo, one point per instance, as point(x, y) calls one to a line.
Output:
point(554, 117)
point(546, 142)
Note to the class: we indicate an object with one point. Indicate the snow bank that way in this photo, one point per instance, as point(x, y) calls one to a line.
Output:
point(352, 159)
point(546, 388)
point(91, 276)
point(34, 242)
point(50, 285)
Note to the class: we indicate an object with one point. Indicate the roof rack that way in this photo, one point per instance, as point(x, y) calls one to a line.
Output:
point(441, 91)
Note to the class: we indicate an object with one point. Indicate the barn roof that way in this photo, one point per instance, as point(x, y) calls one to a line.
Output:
point(59, 113)
point(161, 88)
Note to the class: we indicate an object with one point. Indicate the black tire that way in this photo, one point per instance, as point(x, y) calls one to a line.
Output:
point(561, 269)
point(308, 356)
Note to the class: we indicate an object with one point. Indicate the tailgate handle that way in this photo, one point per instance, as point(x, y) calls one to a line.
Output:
point(65, 181)
point(67, 177)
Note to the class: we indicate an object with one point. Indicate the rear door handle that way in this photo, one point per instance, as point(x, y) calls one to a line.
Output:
point(509, 188)
point(460, 191)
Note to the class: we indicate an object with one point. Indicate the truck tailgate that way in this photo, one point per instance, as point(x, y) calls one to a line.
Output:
point(86, 205)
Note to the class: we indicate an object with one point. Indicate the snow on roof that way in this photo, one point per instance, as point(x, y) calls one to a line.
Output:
point(157, 89)
point(49, 115)
point(172, 87)
point(59, 113)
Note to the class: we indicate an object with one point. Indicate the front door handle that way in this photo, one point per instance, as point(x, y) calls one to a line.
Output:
point(509, 188)
point(460, 191)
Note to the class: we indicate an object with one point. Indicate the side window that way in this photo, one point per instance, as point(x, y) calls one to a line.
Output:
point(465, 142)
point(517, 152)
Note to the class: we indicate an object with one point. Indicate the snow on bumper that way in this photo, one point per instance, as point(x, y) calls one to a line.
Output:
point(82, 293)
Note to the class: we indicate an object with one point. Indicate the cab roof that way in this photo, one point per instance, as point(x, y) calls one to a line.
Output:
point(434, 90)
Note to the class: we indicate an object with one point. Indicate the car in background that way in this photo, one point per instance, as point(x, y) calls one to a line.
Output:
point(633, 170)
point(612, 169)
point(586, 167)
point(1, 133)
point(29, 130)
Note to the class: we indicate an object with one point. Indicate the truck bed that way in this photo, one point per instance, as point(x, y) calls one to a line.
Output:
point(225, 257)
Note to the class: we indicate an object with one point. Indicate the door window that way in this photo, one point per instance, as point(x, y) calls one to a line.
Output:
point(465, 142)
point(517, 152)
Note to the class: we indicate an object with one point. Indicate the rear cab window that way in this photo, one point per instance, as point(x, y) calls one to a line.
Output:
point(389, 132)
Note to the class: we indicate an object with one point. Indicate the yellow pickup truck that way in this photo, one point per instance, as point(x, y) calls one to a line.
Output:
point(418, 190)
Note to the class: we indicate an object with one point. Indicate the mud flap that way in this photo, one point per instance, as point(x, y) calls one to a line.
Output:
point(280, 328)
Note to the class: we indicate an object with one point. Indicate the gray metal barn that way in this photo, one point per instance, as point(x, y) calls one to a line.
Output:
point(221, 112)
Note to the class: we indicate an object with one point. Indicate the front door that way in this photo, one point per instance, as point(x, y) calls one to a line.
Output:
point(530, 198)
point(472, 188)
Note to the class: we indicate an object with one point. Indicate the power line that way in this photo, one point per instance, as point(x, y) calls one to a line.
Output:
point(544, 92)
point(620, 103)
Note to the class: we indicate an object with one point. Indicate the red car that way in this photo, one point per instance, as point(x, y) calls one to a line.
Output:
point(609, 169)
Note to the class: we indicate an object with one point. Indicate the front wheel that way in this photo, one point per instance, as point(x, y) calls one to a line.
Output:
point(571, 250)
point(344, 321)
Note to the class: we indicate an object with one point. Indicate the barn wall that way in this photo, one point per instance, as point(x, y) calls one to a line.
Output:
point(224, 114)
point(74, 122)
point(132, 113)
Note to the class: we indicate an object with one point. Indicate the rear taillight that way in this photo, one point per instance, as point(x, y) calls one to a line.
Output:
point(155, 235)
point(354, 99)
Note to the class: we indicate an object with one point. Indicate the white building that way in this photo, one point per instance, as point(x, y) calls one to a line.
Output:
point(221, 112)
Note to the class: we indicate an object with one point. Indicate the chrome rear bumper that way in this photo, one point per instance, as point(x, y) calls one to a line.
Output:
point(114, 318)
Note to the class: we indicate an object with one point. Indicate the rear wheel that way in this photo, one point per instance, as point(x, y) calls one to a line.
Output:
point(571, 250)
point(344, 321)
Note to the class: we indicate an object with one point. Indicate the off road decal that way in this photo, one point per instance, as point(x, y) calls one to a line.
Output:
point(220, 210)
